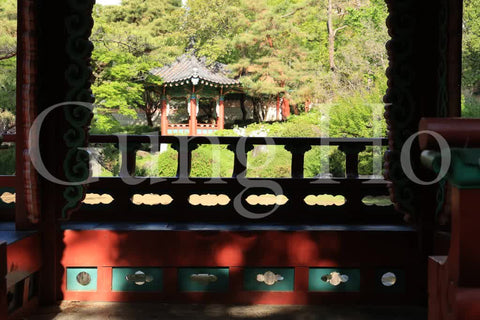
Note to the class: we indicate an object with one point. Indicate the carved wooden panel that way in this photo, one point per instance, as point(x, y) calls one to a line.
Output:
point(417, 74)
point(78, 25)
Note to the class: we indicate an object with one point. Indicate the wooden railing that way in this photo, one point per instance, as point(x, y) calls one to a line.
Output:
point(207, 125)
point(339, 200)
point(182, 128)
point(178, 125)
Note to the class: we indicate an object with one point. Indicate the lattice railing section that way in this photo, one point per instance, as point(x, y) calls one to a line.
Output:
point(348, 199)
point(184, 128)
point(180, 129)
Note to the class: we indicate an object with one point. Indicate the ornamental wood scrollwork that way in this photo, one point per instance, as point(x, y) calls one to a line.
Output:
point(78, 24)
point(400, 104)
point(408, 98)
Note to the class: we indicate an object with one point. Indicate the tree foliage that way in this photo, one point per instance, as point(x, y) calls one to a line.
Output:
point(8, 28)
point(471, 59)
point(275, 47)
point(130, 40)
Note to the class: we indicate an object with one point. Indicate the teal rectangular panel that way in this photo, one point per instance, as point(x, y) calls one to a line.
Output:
point(334, 279)
point(199, 131)
point(175, 131)
point(390, 280)
point(82, 279)
point(203, 279)
point(250, 282)
point(137, 279)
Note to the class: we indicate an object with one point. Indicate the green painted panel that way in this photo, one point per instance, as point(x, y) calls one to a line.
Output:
point(250, 282)
point(317, 277)
point(464, 170)
point(187, 282)
point(150, 280)
point(396, 286)
point(86, 275)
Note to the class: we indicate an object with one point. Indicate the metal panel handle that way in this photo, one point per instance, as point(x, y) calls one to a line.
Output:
point(203, 278)
point(335, 278)
point(139, 278)
point(269, 278)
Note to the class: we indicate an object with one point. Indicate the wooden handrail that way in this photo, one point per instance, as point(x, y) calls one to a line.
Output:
point(458, 132)
point(296, 188)
point(250, 140)
point(296, 146)
point(8, 138)
point(7, 181)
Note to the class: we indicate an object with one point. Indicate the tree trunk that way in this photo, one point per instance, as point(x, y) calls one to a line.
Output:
point(295, 109)
point(257, 110)
point(331, 37)
point(148, 116)
point(242, 107)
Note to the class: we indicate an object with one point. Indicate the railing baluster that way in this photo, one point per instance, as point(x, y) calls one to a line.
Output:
point(184, 170)
point(298, 151)
point(132, 148)
point(239, 166)
point(351, 151)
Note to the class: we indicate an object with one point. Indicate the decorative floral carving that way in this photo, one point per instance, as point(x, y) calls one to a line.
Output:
point(209, 200)
point(152, 199)
point(325, 200)
point(267, 200)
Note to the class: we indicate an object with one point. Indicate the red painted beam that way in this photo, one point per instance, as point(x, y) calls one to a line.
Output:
point(7, 181)
point(459, 132)
point(236, 250)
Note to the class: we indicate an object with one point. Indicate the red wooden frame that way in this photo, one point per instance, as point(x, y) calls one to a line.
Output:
point(236, 250)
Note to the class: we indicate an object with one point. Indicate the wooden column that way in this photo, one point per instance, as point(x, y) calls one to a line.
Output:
point(307, 106)
point(221, 111)
point(278, 107)
point(164, 116)
point(193, 114)
point(285, 109)
point(26, 187)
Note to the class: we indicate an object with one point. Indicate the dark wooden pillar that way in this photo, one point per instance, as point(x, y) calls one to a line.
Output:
point(454, 56)
point(26, 188)
point(63, 75)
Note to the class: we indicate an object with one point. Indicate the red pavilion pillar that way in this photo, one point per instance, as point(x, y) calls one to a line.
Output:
point(285, 109)
point(307, 105)
point(193, 114)
point(278, 108)
point(221, 111)
point(164, 116)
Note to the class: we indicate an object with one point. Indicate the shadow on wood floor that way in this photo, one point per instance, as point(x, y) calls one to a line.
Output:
point(71, 310)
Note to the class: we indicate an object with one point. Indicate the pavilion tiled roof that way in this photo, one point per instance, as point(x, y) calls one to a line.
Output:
point(188, 66)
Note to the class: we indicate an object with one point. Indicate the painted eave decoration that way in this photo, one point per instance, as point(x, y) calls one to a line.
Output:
point(188, 67)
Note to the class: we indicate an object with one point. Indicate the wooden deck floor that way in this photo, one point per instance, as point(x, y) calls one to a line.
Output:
point(146, 311)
